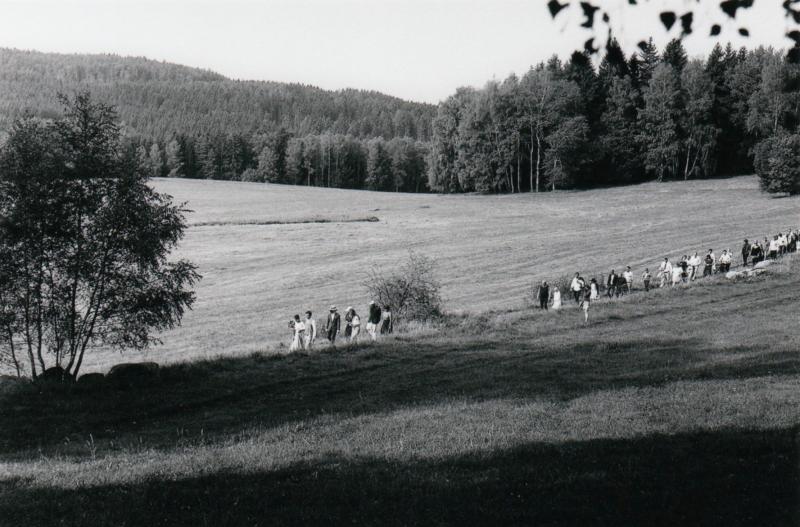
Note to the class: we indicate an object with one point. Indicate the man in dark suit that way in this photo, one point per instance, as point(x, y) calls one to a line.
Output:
point(611, 284)
point(333, 325)
point(543, 295)
point(745, 252)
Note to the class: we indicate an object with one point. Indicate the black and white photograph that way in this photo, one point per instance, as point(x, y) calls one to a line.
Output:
point(399, 263)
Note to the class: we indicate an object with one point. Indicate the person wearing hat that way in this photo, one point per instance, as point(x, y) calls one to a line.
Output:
point(373, 320)
point(333, 325)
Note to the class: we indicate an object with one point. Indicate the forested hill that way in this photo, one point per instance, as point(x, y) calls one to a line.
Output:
point(158, 100)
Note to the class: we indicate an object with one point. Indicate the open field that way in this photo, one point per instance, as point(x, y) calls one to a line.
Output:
point(677, 407)
point(489, 248)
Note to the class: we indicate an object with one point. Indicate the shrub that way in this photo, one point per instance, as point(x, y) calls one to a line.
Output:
point(411, 291)
point(777, 163)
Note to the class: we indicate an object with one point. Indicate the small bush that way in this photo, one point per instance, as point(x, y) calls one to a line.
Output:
point(777, 163)
point(411, 291)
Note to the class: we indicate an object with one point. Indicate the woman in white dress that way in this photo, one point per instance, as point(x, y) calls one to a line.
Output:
point(556, 298)
point(299, 334)
point(355, 322)
point(594, 291)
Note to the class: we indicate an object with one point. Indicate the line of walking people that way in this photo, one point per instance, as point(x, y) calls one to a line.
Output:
point(686, 270)
point(304, 331)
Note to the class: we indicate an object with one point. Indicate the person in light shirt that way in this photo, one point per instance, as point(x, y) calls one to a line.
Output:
point(694, 264)
point(576, 286)
point(664, 272)
point(628, 276)
point(311, 330)
point(646, 277)
point(677, 272)
point(773, 248)
point(299, 334)
point(725, 261)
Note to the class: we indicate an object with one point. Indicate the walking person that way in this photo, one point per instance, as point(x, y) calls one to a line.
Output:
point(684, 265)
point(348, 322)
point(299, 334)
point(694, 265)
point(576, 286)
point(664, 272)
point(725, 261)
point(628, 277)
point(374, 318)
point(355, 326)
point(594, 290)
point(333, 325)
point(387, 322)
point(556, 298)
point(756, 252)
point(773, 248)
point(311, 330)
point(646, 277)
point(677, 273)
point(746, 248)
point(586, 301)
point(543, 295)
point(708, 268)
point(611, 284)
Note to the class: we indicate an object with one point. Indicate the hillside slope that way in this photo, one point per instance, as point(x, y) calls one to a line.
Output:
point(156, 99)
point(678, 407)
point(489, 249)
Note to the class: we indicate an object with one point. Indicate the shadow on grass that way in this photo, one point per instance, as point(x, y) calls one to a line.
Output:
point(227, 396)
point(727, 478)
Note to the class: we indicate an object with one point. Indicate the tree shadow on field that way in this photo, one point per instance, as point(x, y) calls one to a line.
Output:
point(224, 397)
point(731, 478)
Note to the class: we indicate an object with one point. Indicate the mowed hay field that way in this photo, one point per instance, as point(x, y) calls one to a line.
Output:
point(489, 248)
point(675, 407)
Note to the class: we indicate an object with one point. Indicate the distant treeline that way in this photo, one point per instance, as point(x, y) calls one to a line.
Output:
point(187, 122)
point(327, 160)
point(646, 116)
point(650, 115)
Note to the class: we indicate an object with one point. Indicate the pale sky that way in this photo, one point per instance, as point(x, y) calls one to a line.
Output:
point(415, 49)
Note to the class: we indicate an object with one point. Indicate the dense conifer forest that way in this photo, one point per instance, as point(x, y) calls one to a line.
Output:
point(651, 115)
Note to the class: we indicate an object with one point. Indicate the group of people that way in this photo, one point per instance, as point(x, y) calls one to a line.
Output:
point(684, 270)
point(304, 331)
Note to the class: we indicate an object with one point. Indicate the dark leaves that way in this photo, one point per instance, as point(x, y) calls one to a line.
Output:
point(588, 11)
point(731, 6)
point(668, 18)
point(686, 23)
point(555, 7)
point(716, 29)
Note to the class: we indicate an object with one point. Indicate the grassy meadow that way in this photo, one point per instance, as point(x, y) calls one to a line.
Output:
point(676, 407)
point(489, 248)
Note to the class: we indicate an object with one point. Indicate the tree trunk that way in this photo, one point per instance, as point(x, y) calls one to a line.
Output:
point(686, 166)
point(530, 162)
point(519, 182)
point(538, 160)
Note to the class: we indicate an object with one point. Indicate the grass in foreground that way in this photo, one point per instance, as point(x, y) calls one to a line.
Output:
point(674, 408)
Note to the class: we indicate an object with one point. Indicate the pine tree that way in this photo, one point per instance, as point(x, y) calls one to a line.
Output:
point(619, 133)
point(659, 123)
point(649, 59)
point(675, 55)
